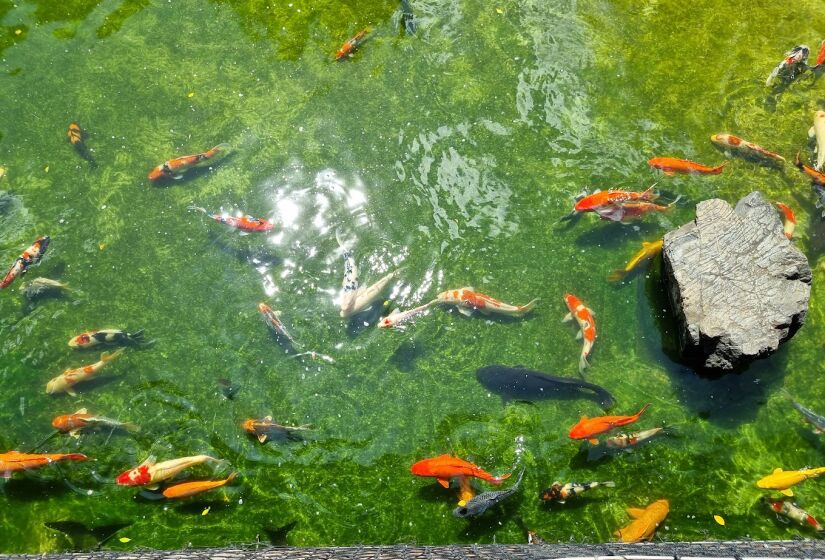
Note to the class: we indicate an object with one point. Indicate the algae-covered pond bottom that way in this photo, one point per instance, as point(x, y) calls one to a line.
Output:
point(451, 154)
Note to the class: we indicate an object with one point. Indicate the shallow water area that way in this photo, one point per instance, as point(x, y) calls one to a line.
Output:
point(451, 153)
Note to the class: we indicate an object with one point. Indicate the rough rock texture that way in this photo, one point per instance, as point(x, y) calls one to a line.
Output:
point(738, 286)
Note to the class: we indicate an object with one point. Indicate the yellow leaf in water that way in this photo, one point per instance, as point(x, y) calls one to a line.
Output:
point(18, 31)
point(101, 246)
point(719, 519)
point(46, 169)
point(190, 94)
point(206, 511)
point(124, 539)
point(499, 11)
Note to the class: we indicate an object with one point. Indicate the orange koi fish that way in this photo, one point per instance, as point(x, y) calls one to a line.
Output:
point(187, 489)
point(587, 326)
point(671, 166)
point(78, 139)
point(65, 382)
point(265, 429)
point(73, 424)
point(744, 148)
point(445, 467)
point(790, 218)
point(588, 428)
point(14, 461)
point(604, 199)
point(820, 58)
point(632, 210)
point(175, 168)
point(274, 322)
point(468, 300)
point(645, 521)
point(149, 473)
point(105, 336)
point(348, 48)
point(30, 256)
point(815, 176)
point(243, 223)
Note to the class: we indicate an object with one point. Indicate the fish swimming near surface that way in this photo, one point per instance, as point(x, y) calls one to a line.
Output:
point(561, 493)
point(351, 45)
point(793, 512)
point(526, 384)
point(602, 201)
point(783, 480)
point(628, 441)
point(817, 132)
point(790, 219)
point(745, 149)
point(65, 382)
point(398, 319)
point(816, 177)
point(77, 138)
point(106, 336)
point(793, 65)
point(817, 421)
point(312, 355)
point(265, 429)
point(243, 223)
point(482, 502)
point(645, 521)
point(274, 322)
point(589, 428)
point(467, 300)
point(175, 168)
point(585, 317)
point(42, 287)
point(356, 298)
point(444, 467)
point(648, 251)
point(149, 473)
point(73, 424)
point(30, 256)
point(187, 489)
point(628, 211)
point(408, 17)
point(671, 166)
point(14, 461)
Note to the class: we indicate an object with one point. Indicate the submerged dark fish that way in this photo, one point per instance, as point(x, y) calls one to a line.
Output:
point(408, 17)
point(486, 500)
point(525, 384)
point(817, 421)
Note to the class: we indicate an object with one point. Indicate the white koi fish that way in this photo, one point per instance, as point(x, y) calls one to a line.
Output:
point(818, 131)
point(355, 298)
point(397, 318)
point(149, 473)
point(65, 382)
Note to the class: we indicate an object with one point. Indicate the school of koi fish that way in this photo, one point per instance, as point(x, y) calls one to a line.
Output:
point(449, 471)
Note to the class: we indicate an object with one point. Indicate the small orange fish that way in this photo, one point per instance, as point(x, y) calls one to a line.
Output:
point(14, 461)
point(587, 326)
point(265, 429)
point(445, 467)
point(243, 223)
point(588, 428)
point(815, 176)
point(645, 521)
point(73, 424)
point(187, 489)
point(77, 138)
point(175, 168)
point(671, 166)
point(348, 48)
point(790, 219)
point(604, 199)
point(30, 256)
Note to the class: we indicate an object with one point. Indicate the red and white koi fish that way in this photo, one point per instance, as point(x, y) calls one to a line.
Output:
point(817, 131)
point(106, 336)
point(587, 326)
point(793, 512)
point(356, 298)
point(744, 148)
point(30, 256)
point(243, 223)
point(790, 218)
point(816, 177)
point(349, 48)
point(820, 58)
point(312, 355)
point(73, 424)
point(628, 441)
point(397, 319)
point(175, 168)
point(794, 63)
point(467, 300)
point(65, 382)
point(601, 200)
point(274, 323)
point(671, 166)
point(149, 473)
point(14, 461)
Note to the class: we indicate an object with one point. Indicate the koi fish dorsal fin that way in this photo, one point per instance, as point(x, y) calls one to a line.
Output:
point(149, 461)
point(82, 411)
point(635, 513)
point(444, 482)
point(268, 418)
point(262, 438)
point(787, 492)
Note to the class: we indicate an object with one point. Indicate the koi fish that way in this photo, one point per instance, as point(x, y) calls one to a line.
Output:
point(671, 166)
point(648, 250)
point(749, 150)
point(397, 318)
point(356, 298)
point(601, 200)
point(149, 473)
point(587, 326)
point(810, 416)
point(466, 300)
point(175, 168)
point(73, 424)
point(816, 177)
point(30, 256)
point(645, 521)
point(186, 489)
point(65, 382)
point(790, 219)
point(820, 58)
point(349, 48)
point(632, 210)
point(588, 428)
point(560, 494)
point(626, 441)
point(106, 336)
point(818, 131)
point(274, 323)
point(243, 223)
point(78, 139)
point(14, 461)
point(42, 287)
point(783, 480)
point(465, 490)
point(312, 355)
point(533, 538)
point(266, 429)
point(796, 60)
point(793, 512)
point(444, 467)
point(481, 503)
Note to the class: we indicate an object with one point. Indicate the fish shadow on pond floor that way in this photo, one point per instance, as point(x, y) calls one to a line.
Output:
point(616, 234)
point(277, 536)
point(82, 537)
point(246, 249)
point(32, 490)
point(491, 520)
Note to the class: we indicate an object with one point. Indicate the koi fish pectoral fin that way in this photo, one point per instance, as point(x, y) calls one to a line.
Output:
point(567, 318)
point(579, 335)
point(466, 311)
point(787, 492)
point(444, 482)
point(635, 513)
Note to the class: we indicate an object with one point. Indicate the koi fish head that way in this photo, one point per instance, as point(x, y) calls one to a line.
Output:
point(249, 425)
point(775, 505)
point(137, 476)
point(264, 308)
point(580, 431)
point(40, 245)
point(422, 468)
point(162, 171)
point(81, 340)
point(572, 302)
point(552, 493)
point(62, 423)
point(386, 322)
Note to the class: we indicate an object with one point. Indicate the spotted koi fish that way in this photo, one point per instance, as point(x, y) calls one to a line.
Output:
point(30, 256)
point(274, 322)
point(175, 168)
point(467, 300)
point(794, 64)
point(561, 493)
point(349, 47)
point(734, 144)
point(243, 223)
point(106, 336)
point(65, 382)
point(587, 326)
point(790, 219)
point(793, 512)
point(150, 473)
point(356, 298)
point(397, 319)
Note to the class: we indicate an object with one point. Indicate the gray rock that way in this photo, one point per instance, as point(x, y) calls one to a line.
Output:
point(738, 286)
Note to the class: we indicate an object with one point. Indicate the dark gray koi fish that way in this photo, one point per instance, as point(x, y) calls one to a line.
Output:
point(408, 17)
point(817, 421)
point(481, 503)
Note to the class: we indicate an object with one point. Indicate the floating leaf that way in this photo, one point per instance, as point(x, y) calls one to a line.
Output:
point(719, 519)
point(499, 11)
point(124, 539)
point(206, 511)
point(190, 94)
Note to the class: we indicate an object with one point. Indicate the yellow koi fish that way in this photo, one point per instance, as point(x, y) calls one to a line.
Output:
point(645, 521)
point(783, 480)
point(649, 250)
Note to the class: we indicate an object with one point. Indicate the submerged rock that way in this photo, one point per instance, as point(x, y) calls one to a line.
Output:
point(739, 288)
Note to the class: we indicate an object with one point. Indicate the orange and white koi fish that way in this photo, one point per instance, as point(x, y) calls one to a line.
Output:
point(105, 336)
point(671, 166)
point(645, 521)
point(589, 428)
point(790, 219)
point(274, 322)
point(65, 382)
point(601, 200)
point(587, 326)
point(175, 168)
point(397, 319)
point(628, 211)
point(783, 480)
point(14, 461)
point(816, 177)
point(356, 298)
point(627, 441)
point(648, 250)
point(149, 473)
point(349, 48)
point(30, 256)
point(734, 144)
point(793, 512)
point(467, 300)
point(794, 64)
point(444, 467)
point(817, 131)
point(78, 139)
point(265, 429)
point(186, 489)
point(243, 223)
point(73, 424)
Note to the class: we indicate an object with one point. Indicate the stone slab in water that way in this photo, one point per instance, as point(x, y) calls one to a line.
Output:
point(738, 286)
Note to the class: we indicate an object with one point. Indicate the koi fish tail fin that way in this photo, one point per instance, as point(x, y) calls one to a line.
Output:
point(136, 336)
point(672, 204)
point(499, 479)
point(617, 275)
point(109, 356)
point(75, 457)
point(583, 364)
point(608, 484)
point(197, 209)
point(129, 427)
point(232, 476)
point(528, 307)
point(718, 169)
point(219, 149)
point(644, 408)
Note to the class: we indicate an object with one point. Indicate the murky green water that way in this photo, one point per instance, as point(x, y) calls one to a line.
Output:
point(452, 152)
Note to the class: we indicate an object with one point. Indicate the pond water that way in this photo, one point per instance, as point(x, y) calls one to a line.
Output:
point(451, 152)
